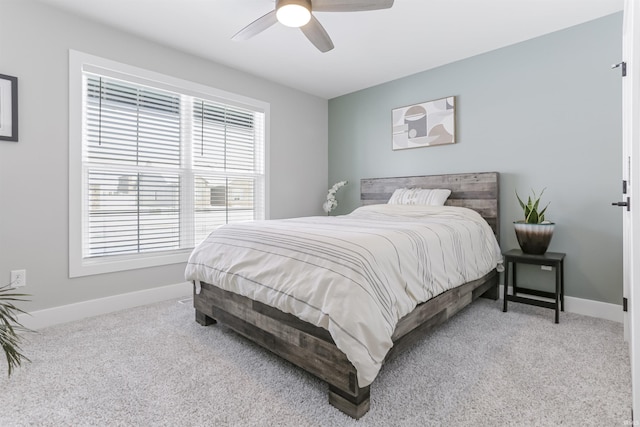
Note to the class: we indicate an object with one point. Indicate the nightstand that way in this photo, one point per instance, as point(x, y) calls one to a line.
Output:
point(548, 259)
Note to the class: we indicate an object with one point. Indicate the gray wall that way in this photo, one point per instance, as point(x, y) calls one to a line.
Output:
point(34, 44)
point(543, 113)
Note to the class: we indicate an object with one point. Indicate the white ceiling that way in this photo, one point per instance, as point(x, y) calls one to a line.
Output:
point(370, 47)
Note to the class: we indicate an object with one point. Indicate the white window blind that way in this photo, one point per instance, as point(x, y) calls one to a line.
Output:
point(161, 167)
point(132, 159)
point(228, 168)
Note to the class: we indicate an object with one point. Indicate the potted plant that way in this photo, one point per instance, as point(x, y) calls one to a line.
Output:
point(10, 327)
point(534, 233)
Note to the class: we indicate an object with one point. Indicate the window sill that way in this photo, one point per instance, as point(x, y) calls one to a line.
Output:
point(89, 267)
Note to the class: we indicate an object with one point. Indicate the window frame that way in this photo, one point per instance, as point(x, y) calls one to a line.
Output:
point(79, 63)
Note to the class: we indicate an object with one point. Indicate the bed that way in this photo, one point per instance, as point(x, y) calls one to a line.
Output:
point(339, 336)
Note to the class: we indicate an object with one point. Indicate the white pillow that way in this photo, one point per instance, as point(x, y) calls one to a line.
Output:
point(419, 196)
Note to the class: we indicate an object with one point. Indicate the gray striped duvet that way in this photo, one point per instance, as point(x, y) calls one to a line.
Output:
point(355, 275)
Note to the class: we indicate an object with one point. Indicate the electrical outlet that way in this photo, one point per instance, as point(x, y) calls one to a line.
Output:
point(18, 278)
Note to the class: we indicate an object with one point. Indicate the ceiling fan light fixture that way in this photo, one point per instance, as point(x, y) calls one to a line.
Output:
point(293, 13)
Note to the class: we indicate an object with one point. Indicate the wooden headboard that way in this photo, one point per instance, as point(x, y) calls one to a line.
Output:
point(477, 191)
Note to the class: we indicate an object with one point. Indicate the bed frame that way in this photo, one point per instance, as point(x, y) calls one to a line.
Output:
point(311, 347)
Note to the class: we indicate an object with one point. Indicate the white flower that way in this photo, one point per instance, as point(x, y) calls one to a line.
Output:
point(331, 202)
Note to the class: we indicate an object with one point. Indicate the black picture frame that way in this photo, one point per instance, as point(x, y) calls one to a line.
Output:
point(8, 108)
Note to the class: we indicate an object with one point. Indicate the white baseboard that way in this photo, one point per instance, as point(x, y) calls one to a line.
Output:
point(587, 307)
point(68, 313)
point(71, 312)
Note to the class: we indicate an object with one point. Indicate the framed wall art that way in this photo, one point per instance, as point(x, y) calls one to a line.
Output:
point(8, 108)
point(424, 125)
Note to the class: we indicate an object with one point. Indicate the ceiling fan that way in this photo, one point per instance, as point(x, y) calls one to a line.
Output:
point(298, 13)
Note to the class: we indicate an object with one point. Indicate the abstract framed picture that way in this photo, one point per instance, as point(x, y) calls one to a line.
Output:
point(424, 125)
point(8, 108)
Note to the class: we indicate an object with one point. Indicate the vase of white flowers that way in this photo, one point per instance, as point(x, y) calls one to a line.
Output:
point(331, 203)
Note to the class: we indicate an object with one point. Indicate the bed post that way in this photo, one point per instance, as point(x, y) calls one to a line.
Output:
point(356, 403)
point(492, 292)
point(203, 319)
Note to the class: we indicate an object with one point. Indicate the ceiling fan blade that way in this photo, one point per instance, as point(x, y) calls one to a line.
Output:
point(349, 5)
point(256, 27)
point(317, 35)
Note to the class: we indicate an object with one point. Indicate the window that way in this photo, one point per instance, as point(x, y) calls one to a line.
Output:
point(156, 164)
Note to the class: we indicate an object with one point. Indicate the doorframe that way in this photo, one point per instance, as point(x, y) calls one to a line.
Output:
point(631, 144)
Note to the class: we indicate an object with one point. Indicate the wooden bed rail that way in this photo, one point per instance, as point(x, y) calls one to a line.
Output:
point(312, 348)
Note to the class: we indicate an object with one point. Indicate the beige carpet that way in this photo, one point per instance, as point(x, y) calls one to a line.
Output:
point(154, 366)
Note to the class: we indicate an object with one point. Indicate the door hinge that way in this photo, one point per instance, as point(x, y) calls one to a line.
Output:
point(625, 306)
point(623, 66)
